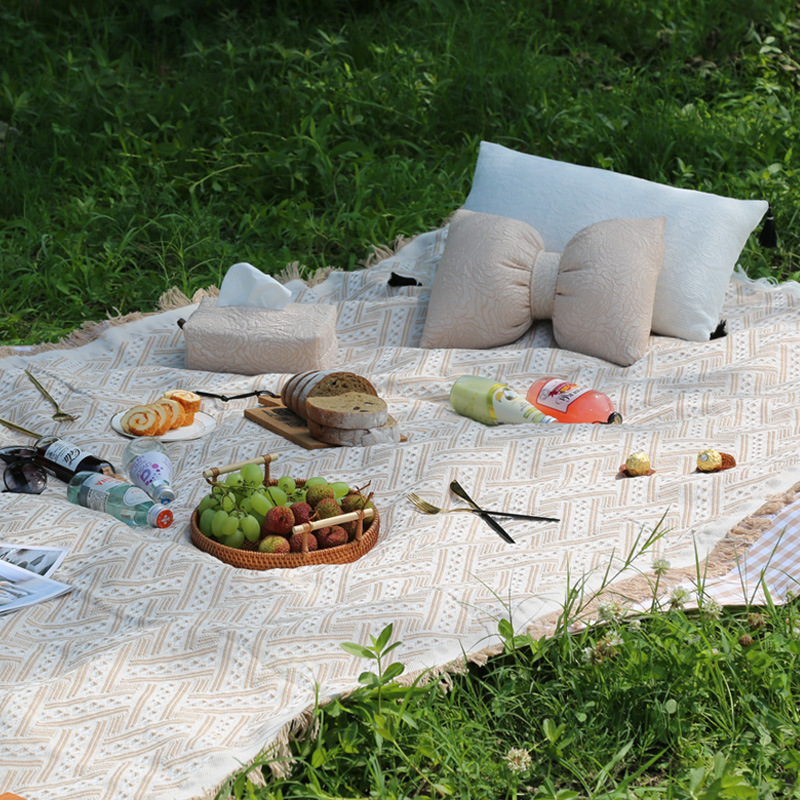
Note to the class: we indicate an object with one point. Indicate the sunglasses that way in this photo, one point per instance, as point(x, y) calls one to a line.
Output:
point(21, 473)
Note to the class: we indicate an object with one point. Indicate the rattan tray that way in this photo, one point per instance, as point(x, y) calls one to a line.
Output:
point(248, 557)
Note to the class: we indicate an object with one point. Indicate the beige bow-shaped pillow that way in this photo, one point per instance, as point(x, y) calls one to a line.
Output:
point(495, 278)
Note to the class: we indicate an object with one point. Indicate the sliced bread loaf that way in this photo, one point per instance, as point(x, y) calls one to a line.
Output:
point(328, 384)
point(288, 387)
point(356, 437)
point(302, 379)
point(351, 410)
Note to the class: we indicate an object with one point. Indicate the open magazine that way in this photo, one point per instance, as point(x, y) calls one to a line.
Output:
point(25, 575)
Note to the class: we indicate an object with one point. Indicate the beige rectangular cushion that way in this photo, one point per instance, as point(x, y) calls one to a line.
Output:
point(250, 341)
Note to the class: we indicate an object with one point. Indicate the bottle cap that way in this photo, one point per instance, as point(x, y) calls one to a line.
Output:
point(159, 517)
point(163, 493)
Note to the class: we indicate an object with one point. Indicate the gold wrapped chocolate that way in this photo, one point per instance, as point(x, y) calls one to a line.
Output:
point(637, 464)
point(709, 460)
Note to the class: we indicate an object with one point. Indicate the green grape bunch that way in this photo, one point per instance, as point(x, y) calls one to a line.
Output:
point(234, 511)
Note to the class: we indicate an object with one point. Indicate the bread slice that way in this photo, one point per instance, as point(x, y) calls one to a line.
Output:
point(328, 385)
point(189, 400)
point(304, 385)
point(164, 417)
point(291, 385)
point(358, 437)
point(351, 410)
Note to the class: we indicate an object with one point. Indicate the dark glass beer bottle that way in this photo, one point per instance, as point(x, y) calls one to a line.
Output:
point(64, 459)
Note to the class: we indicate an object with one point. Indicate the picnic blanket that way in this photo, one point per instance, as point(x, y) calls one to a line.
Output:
point(164, 669)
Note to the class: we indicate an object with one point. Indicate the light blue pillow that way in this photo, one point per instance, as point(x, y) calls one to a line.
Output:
point(704, 236)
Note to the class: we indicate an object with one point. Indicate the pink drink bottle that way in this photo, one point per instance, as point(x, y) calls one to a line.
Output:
point(568, 402)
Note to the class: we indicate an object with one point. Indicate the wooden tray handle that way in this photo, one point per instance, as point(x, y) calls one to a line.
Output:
point(364, 513)
point(212, 474)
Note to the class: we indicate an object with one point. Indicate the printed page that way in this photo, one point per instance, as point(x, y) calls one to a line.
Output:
point(21, 587)
point(41, 560)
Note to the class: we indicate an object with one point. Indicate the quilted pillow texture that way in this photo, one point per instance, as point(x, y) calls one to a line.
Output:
point(250, 341)
point(606, 289)
point(495, 277)
point(704, 235)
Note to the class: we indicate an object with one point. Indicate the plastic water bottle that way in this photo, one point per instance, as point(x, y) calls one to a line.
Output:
point(122, 500)
point(146, 463)
point(568, 402)
point(491, 402)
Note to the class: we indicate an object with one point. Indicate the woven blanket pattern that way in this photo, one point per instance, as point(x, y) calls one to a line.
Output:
point(164, 669)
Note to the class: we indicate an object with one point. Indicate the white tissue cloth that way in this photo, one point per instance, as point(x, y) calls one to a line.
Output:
point(244, 285)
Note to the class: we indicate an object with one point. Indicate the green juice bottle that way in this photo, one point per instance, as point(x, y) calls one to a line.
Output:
point(491, 402)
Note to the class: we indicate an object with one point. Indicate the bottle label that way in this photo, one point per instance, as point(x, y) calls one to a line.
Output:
point(488, 402)
point(66, 454)
point(559, 395)
point(98, 491)
point(508, 406)
point(134, 496)
point(98, 487)
point(149, 468)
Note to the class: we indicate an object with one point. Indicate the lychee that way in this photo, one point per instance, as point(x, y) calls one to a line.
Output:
point(296, 542)
point(317, 492)
point(302, 512)
point(335, 537)
point(322, 535)
point(279, 520)
point(274, 544)
point(353, 502)
point(327, 508)
point(350, 529)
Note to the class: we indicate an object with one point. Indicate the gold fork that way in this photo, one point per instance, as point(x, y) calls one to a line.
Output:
point(59, 416)
point(428, 508)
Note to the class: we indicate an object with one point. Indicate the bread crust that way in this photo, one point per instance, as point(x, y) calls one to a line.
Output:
point(290, 386)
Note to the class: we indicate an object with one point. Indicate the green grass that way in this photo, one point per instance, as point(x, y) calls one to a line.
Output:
point(154, 144)
point(698, 705)
point(680, 703)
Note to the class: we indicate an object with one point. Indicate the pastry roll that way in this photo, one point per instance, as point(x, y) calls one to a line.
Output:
point(140, 421)
point(178, 415)
point(189, 400)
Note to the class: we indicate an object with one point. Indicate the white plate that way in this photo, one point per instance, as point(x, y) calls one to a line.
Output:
point(203, 424)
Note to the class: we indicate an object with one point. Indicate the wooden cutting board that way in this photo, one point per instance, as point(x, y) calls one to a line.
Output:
point(274, 416)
